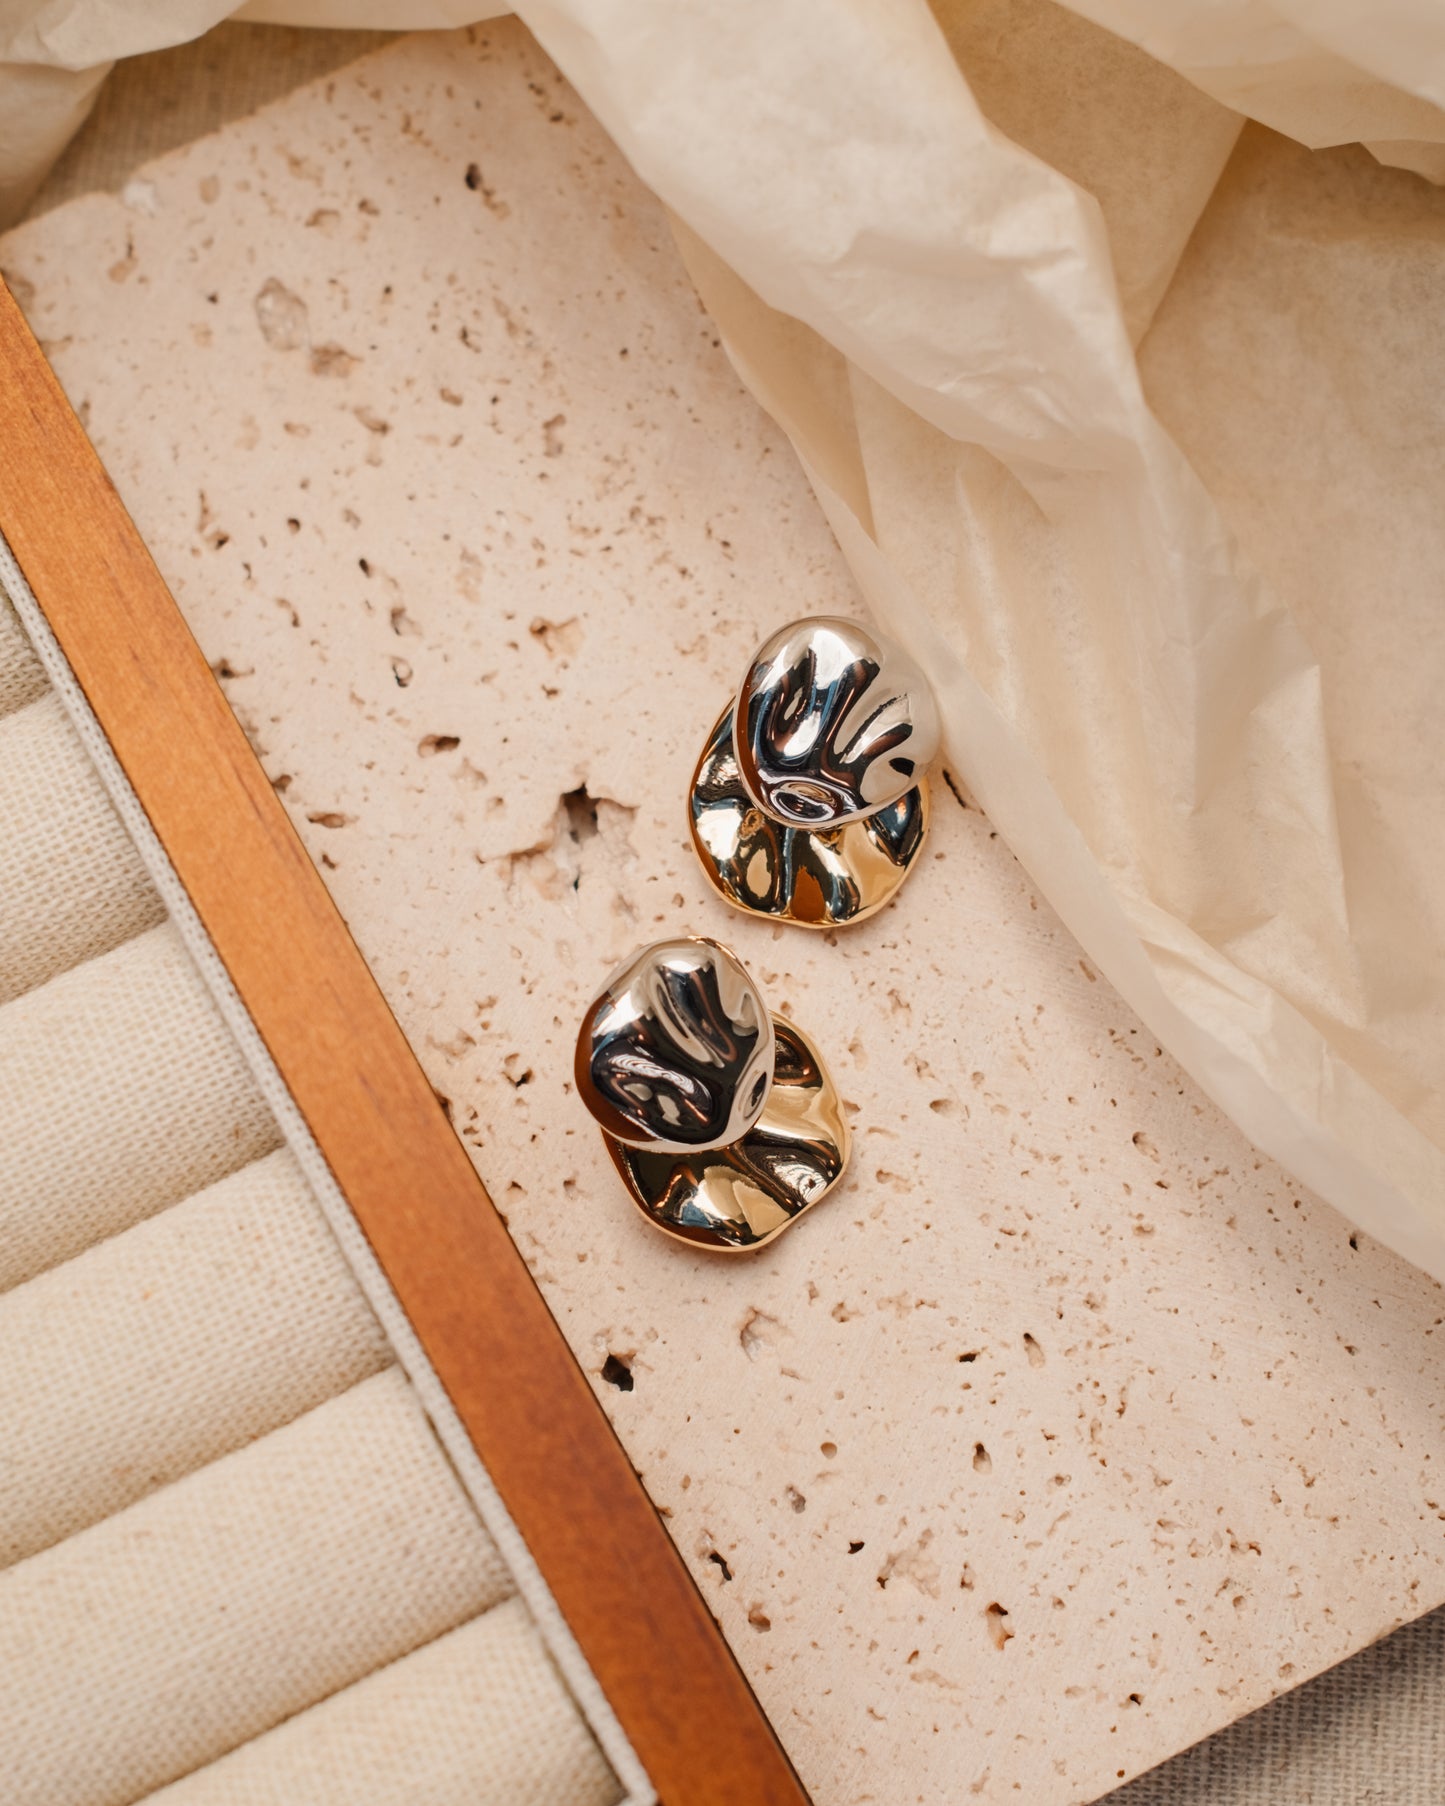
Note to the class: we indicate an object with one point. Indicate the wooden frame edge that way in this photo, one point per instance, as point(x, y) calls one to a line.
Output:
point(631, 1604)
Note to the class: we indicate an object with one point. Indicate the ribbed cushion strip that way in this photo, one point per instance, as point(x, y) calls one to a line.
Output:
point(163, 1348)
point(478, 1718)
point(22, 678)
point(121, 1091)
point(72, 884)
point(210, 1611)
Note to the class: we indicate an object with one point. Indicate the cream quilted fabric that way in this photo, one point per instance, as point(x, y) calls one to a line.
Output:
point(441, 1726)
point(166, 1347)
point(216, 1607)
point(121, 1092)
point(73, 884)
point(21, 678)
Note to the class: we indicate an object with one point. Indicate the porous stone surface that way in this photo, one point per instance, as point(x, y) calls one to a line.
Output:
point(1068, 1429)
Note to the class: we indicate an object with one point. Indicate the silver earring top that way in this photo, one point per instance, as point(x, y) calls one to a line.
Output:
point(676, 1051)
point(832, 724)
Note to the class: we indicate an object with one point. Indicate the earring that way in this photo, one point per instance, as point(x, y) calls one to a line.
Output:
point(809, 803)
point(720, 1117)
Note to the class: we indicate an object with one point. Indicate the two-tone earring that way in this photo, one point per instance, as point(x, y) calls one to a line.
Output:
point(809, 805)
point(809, 802)
point(720, 1117)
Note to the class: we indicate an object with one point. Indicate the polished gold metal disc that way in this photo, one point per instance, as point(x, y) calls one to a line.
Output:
point(821, 878)
point(743, 1196)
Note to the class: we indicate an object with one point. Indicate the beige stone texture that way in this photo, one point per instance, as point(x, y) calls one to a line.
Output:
point(1068, 1429)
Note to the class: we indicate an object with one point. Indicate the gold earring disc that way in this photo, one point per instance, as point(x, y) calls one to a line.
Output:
point(824, 878)
point(740, 1197)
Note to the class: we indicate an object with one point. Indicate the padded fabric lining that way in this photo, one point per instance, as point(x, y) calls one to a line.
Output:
point(73, 884)
point(121, 1092)
point(477, 1718)
point(166, 1347)
point(221, 1605)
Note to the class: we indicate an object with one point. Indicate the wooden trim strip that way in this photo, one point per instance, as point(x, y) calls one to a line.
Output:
point(526, 1405)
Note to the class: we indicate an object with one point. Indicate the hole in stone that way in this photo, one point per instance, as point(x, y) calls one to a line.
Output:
point(580, 809)
point(982, 1460)
point(853, 1548)
point(757, 1333)
point(997, 1617)
point(1035, 1353)
point(432, 744)
point(759, 1619)
point(558, 639)
point(617, 1373)
point(972, 1355)
point(719, 1563)
point(828, 1449)
point(795, 1498)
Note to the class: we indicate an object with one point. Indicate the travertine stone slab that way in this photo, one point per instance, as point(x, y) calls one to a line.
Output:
point(1068, 1429)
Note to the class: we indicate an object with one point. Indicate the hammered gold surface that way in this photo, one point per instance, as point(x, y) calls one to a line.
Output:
point(826, 878)
point(741, 1197)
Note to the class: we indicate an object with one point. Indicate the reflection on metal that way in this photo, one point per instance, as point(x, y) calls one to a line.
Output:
point(676, 1050)
point(832, 723)
point(721, 1119)
point(743, 1196)
point(821, 878)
